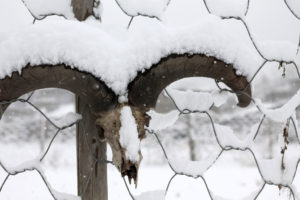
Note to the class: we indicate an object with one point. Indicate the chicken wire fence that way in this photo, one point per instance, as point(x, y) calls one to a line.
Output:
point(68, 121)
point(192, 169)
point(284, 172)
point(35, 165)
point(228, 142)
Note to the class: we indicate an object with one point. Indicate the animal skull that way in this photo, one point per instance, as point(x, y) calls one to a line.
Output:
point(110, 123)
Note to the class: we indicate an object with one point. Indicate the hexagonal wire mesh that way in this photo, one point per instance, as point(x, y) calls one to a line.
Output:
point(35, 164)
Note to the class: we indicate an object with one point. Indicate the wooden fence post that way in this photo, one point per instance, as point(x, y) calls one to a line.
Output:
point(91, 175)
point(83, 8)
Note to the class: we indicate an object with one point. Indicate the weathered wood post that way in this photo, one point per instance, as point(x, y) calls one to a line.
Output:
point(91, 175)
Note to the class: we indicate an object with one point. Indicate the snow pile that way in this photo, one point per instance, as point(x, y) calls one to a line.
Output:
point(227, 138)
point(151, 8)
point(41, 8)
point(197, 101)
point(220, 98)
point(272, 171)
point(203, 85)
point(36, 165)
point(28, 165)
point(151, 195)
point(194, 83)
point(294, 5)
point(62, 110)
point(116, 58)
point(283, 113)
point(129, 137)
point(274, 50)
point(228, 8)
point(160, 121)
point(191, 168)
point(68, 119)
point(193, 101)
point(64, 196)
point(57, 195)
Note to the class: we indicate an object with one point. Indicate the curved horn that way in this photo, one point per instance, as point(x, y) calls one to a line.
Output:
point(145, 89)
point(91, 89)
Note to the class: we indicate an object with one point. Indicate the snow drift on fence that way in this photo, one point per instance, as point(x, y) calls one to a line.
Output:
point(116, 58)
